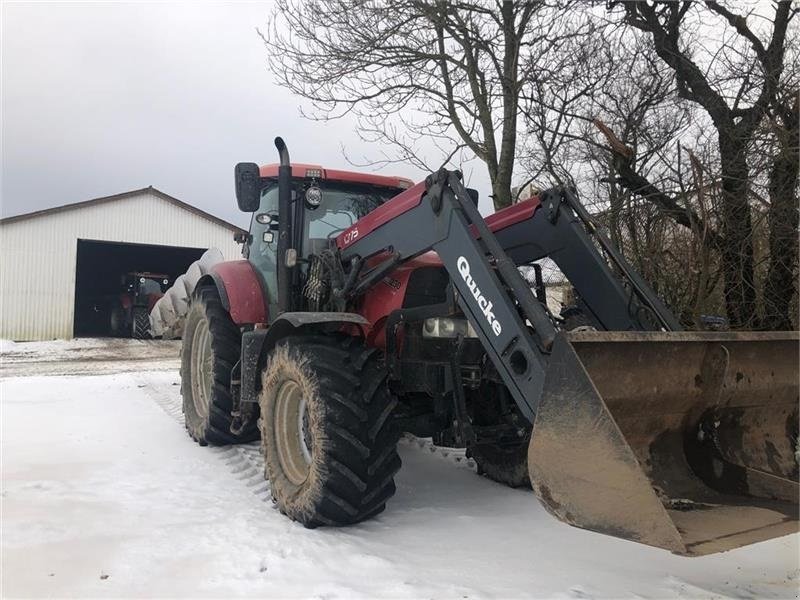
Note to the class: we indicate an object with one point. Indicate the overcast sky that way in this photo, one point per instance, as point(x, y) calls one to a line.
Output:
point(102, 98)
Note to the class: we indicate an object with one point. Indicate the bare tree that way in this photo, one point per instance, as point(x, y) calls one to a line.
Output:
point(736, 89)
point(615, 81)
point(416, 72)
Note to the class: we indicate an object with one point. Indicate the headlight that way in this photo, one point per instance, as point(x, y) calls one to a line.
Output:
point(166, 281)
point(313, 196)
point(444, 327)
point(141, 280)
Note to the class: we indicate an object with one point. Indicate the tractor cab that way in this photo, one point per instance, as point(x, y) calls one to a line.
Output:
point(141, 287)
point(323, 204)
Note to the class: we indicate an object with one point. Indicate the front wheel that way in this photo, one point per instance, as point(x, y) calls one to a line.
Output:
point(140, 328)
point(329, 444)
point(210, 348)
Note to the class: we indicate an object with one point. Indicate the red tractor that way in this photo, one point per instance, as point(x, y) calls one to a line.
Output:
point(366, 306)
point(129, 311)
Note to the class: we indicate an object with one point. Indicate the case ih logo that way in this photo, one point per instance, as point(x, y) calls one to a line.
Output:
point(484, 304)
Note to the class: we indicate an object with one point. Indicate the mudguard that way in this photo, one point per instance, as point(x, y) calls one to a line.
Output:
point(256, 344)
point(239, 290)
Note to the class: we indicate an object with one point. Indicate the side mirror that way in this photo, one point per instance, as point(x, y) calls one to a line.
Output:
point(248, 186)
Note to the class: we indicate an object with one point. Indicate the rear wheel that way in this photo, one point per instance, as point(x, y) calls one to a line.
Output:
point(329, 443)
point(141, 324)
point(504, 464)
point(116, 320)
point(210, 348)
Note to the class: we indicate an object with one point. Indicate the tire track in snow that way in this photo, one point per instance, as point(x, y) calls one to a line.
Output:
point(168, 398)
point(245, 461)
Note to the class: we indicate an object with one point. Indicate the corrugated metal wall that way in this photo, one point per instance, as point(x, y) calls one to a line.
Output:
point(37, 256)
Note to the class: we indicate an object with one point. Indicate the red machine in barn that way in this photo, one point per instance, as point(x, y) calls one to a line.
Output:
point(129, 311)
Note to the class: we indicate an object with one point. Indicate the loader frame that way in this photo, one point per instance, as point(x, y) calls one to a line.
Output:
point(489, 288)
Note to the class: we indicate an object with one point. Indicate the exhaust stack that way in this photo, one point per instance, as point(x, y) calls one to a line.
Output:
point(284, 225)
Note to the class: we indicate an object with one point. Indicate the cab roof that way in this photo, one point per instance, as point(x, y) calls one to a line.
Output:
point(321, 173)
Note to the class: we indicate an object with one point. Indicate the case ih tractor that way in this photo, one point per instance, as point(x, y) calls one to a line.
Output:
point(367, 306)
point(129, 312)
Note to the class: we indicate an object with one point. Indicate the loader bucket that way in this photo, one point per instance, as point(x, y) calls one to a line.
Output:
point(684, 441)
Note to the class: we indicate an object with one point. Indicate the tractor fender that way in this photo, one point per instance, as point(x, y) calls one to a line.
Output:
point(289, 323)
point(239, 290)
point(257, 344)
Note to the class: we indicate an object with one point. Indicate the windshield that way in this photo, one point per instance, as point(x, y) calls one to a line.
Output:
point(340, 208)
point(150, 287)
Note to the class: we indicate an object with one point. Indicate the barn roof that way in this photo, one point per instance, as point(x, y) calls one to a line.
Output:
point(133, 193)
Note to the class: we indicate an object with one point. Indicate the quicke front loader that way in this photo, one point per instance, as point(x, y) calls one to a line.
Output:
point(366, 306)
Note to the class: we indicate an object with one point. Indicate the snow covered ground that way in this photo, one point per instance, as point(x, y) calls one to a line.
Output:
point(103, 494)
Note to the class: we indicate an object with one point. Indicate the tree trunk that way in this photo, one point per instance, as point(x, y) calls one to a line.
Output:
point(501, 188)
point(737, 231)
point(615, 201)
point(501, 184)
point(779, 290)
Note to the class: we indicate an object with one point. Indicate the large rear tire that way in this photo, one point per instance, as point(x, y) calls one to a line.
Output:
point(506, 463)
point(329, 443)
point(116, 320)
point(210, 348)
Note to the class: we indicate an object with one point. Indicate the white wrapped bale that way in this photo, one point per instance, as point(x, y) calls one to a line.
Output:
point(192, 275)
point(162, 317)
point(210, 257)
point(179, 296)
point(168, 314)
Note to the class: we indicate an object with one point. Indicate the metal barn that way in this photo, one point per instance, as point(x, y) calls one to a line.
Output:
point(55, 262)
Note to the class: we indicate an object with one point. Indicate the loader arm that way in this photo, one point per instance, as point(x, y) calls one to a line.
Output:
point(682, 440)
point(610, 291)
point(491, 292)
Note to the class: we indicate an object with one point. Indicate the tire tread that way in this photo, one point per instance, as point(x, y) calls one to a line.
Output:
point(214, 428)
point(360, 459)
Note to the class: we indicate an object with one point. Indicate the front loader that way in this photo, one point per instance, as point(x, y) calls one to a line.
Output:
point(367, 306)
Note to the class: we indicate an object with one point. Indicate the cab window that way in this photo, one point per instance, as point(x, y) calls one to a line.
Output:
point(263, 252)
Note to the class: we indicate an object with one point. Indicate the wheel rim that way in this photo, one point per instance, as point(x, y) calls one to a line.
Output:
point(202, 369)
point(292, 432)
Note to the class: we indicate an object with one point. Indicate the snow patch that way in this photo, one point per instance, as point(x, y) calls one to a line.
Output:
point(100, 479)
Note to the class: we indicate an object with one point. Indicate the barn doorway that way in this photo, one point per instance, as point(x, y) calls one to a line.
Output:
point(103, 272)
